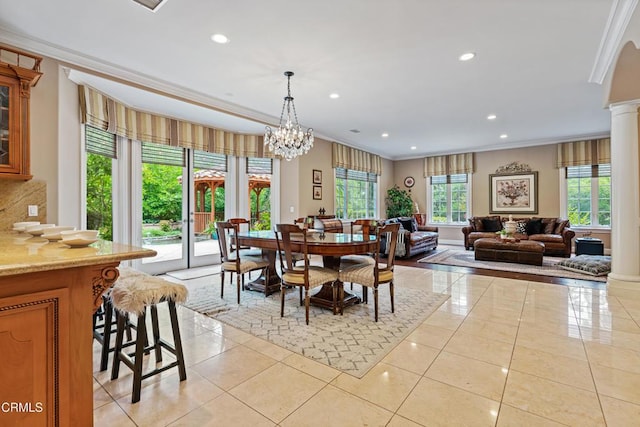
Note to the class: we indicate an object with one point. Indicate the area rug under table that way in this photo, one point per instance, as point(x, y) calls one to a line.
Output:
point(462, 258)
point(352, 343)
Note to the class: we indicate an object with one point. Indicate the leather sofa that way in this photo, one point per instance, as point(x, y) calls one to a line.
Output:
point(553, 232)
point(413, 238)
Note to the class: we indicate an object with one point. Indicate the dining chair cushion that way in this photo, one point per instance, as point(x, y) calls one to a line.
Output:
point(247, 263)
point(364, 275)
point(356, 260)
point(317, 276)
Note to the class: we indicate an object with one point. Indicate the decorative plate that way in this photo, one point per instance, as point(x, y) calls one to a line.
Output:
point(409, 181)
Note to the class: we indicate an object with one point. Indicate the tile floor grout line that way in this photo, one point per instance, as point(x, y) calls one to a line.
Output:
point(586, 354)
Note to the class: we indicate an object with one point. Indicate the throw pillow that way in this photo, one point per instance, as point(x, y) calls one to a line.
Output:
point(560, 226)
point(521, 227)
point(407, 224)
point(414, 223)
point(548, 225)
point(477, 224)
point(534, 226)
point(490, 225)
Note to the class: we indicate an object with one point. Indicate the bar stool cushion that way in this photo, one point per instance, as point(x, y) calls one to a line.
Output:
point(134, 290)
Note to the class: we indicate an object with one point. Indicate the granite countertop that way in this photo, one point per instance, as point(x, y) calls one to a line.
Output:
point(21, 253)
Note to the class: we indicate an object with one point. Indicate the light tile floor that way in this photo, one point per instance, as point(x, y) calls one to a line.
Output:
point(500, 352)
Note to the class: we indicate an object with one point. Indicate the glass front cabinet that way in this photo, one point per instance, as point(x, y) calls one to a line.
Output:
point(19, 72)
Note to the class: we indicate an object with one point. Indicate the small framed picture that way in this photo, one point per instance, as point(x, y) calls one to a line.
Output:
point(317, 177)
point(317, 192)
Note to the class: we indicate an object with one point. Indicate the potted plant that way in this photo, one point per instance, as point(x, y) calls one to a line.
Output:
point(399, 203)
point(211, 230)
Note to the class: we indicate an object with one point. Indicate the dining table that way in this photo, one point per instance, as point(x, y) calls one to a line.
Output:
point(331, 246)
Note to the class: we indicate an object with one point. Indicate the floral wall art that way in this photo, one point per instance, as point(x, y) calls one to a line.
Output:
point(514, 193)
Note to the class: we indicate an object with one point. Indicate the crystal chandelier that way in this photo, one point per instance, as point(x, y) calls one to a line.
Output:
point(288, 140)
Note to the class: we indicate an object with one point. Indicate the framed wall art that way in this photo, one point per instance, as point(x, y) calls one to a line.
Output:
point(514, 193)
point(317, 192)
point(317, 176)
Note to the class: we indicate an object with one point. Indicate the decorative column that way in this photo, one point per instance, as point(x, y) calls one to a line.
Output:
point(624, 279)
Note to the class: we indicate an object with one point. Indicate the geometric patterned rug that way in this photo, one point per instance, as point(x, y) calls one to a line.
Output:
point(462, 258)
point(352, 343)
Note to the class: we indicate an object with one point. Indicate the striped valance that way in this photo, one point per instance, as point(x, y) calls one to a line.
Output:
point(354, 159)
point(105, 113)
point(579, 153)
point(93, 108)
point(451, 164)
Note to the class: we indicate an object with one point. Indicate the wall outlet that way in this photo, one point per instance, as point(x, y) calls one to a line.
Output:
point(33, 210)
point(291, 209)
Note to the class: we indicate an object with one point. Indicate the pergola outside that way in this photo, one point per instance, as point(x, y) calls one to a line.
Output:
point(205, 184)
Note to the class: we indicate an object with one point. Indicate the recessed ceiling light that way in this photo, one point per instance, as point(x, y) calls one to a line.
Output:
point(334, 96)
point(504, 136)
point(491, 117)
point(385, 135)
point(220, 38)
point(467, 56)
point(413, 147)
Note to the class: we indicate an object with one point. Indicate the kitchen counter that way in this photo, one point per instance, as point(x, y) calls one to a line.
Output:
point(48, 294)
point(21, 253)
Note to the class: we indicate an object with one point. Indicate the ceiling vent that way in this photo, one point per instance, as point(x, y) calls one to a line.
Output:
point(152, 5)
point(354, 130)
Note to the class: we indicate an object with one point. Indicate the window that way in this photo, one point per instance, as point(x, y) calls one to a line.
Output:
point(355, 194)
point(449, 198)
point(260, 171)
point(101, 150)
point(589, 195)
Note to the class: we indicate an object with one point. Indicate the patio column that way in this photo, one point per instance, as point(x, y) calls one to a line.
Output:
point(624, 279)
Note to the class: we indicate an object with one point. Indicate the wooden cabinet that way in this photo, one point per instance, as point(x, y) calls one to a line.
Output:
point(19, 72)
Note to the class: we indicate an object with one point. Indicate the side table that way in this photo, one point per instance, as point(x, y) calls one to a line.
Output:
point(589, 246)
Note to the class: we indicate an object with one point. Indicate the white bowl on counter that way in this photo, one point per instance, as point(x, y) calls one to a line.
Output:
point(79, 234)
point(38, 230)
point(22, 226)
point(53, 233)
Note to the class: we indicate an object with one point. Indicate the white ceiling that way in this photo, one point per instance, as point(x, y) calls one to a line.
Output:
point(394, 64)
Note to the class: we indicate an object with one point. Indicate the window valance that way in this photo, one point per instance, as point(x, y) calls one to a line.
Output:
point(579, 153)
point(451, 164)
point(354, 159)
point(103, 112)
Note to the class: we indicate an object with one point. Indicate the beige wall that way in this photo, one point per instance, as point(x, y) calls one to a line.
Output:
point(318, 158)
point(541, 158)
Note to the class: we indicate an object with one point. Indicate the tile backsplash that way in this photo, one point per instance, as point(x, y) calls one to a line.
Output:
point(16, 196)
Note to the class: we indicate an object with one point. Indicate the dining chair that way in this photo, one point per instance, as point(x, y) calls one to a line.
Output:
point(377, 273)
point(240, 222)
point(235, 261)
point(366, 227)
point(305, 276)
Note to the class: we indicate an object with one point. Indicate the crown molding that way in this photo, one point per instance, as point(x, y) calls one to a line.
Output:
point(619, 17)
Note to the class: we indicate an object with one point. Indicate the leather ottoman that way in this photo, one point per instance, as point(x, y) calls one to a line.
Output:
point(522, 252)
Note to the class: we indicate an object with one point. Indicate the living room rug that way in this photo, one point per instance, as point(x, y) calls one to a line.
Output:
point(462, 258)
point(352, 343)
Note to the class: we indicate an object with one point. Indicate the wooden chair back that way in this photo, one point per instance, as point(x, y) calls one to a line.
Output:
point(226, 232)
point(239, 222)
point(286, 254)
point(390, 232)
point(367, 226)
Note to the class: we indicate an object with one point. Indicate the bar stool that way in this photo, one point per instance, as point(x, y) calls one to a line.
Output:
point(104, 322)
point(132, 296)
